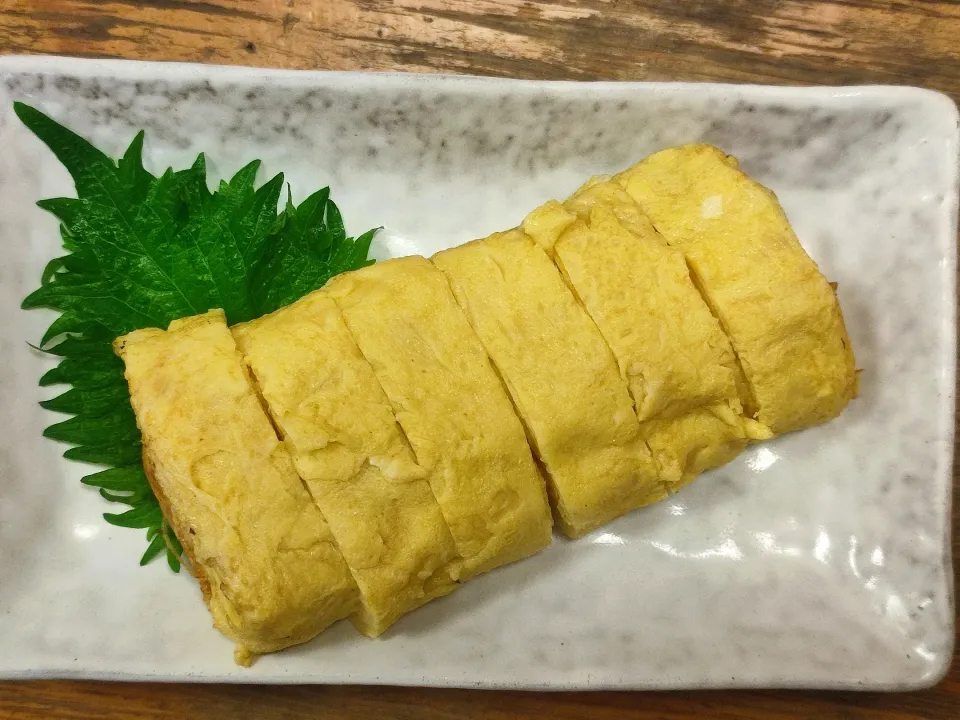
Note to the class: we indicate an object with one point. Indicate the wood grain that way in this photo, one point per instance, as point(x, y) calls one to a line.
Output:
point(777, 41)
point(772, 41)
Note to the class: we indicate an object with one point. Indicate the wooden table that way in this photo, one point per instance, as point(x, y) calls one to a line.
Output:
point(771, 41)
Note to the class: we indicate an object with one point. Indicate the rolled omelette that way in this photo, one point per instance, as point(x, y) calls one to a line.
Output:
point(267, 563)
point(561, 375)
point(643, 331)
point(452, 408)
point(345, 442)
point(779, 312)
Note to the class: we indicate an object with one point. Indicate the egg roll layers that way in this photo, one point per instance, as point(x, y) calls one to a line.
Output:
point(365, 449)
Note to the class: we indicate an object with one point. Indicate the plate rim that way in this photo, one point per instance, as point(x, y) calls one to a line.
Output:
point(91, 67)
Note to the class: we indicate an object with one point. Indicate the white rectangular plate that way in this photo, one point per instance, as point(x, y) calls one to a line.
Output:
point(819, 559)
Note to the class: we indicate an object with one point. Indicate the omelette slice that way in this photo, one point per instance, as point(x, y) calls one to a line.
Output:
point(672, 352)
point(452, 408)
point(266, 560)
point(561, 375)
point(780, 313)
point(669, 348)
point(345, 443)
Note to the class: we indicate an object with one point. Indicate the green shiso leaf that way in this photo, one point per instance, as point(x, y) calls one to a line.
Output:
point(143, 250)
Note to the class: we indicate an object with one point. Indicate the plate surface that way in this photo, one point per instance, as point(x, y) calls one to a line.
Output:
point(819, 559)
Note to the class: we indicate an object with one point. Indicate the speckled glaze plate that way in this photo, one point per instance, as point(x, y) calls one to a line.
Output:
point(818, 560)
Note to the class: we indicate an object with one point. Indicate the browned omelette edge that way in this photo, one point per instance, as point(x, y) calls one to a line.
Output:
point(186, 541)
